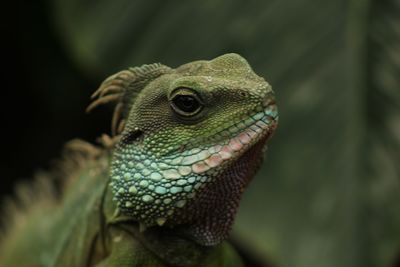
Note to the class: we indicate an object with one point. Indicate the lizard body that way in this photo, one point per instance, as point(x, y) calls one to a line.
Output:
point(165, 192)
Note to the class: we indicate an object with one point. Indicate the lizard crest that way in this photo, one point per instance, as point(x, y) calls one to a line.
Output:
point(191, 140)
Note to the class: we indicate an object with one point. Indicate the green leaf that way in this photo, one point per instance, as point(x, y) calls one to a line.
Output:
point(329, 192)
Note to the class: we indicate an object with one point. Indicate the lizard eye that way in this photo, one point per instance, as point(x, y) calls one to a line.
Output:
point(186, 102)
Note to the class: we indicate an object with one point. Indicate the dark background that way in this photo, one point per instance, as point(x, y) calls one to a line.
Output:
point(329, 191)
point(44, 94)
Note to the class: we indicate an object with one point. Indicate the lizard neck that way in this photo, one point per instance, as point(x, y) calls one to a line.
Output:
point(172, 246)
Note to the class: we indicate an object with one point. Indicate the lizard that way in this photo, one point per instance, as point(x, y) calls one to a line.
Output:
point(165, 188)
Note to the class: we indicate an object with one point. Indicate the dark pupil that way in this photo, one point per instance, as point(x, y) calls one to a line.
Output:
point(186, 103)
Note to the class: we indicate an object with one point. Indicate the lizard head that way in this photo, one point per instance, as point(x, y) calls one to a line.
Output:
point(191, 140)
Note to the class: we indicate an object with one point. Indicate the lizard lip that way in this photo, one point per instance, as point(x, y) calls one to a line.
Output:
point(257, 127)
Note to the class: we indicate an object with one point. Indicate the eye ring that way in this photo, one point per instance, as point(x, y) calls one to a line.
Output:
point(186, 102)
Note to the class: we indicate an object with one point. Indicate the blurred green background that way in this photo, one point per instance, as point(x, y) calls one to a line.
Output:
point(328, 194)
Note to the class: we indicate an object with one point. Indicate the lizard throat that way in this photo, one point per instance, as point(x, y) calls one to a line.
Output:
point(164, 191)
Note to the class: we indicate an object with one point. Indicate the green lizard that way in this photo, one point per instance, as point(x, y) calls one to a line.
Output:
point(164, 190)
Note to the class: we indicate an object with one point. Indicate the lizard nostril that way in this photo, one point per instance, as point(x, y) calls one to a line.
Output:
point(268, 100)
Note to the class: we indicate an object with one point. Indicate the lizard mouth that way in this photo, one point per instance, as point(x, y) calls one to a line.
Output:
point(259, 126)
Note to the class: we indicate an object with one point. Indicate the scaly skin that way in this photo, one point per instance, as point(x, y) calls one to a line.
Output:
point(188, 141)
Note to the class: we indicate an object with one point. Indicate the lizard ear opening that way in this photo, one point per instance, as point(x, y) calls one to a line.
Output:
point(122, 88)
